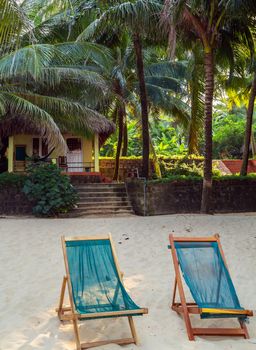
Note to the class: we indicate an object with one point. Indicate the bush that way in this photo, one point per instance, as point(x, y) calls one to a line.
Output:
point(11, 179)
point(51, 191)
point(228, 134)
point(185, 167)
point(181, 168)
point(181, 178)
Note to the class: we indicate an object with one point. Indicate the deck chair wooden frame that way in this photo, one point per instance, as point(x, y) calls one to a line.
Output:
point(68, 313)
point(185, 309)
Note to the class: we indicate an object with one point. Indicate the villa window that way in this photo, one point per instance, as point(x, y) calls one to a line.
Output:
point(39, 146)
point(74, 144)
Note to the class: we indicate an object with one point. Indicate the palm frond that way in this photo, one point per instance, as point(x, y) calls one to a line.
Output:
point(138, 14)
point(13, 23)
point(18, 106)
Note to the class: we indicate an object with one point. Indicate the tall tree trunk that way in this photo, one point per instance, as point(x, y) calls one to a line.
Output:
point(121, 114)
point(194, 126)
point(253, 145)
point(144, 104)
point(248, 129)
point(209, 88)
point(125, 139)
point(155, 159)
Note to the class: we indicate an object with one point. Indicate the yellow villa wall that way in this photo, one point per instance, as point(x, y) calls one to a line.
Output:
point(20, 140)
point(87, 148)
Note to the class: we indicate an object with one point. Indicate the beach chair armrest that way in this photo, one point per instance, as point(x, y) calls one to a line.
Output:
point(227, 311)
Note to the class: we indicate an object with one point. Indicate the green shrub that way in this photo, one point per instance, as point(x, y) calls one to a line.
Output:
point(51, 191)
point(160, 157)
point(170, 178)
point(185, 166)
point(181, 168)
point(11, 179)
point(251, 176)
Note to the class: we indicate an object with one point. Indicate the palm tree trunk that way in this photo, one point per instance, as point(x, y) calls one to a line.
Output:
point(121, 114)
point(248, 129)
point(125, 139)
point(194, 127)
point(209, 88)
point(155, 159)
point(144, 104)
point(253, 145)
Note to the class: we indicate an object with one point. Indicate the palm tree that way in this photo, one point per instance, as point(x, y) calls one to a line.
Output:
point(207, 21)
point(137, 18)
point(248, 131)
point(37, 81)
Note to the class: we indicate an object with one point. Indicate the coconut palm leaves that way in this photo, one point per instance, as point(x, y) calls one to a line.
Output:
point(37, 80)
point(13, 24)
point(206, 21)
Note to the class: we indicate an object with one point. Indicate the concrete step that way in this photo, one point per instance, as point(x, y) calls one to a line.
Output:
point(100, 186)
point(102, 199)
point(102, 205)
point(102, 194)
point(100, 190)
point(105, 211)
point(94, 213)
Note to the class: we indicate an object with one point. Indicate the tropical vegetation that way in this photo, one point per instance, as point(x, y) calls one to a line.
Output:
point(175, 77)
point(49, 190)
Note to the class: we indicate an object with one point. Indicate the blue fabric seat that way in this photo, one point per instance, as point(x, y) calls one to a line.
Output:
point(208, 279)
point(95, 281)
point(95, 287)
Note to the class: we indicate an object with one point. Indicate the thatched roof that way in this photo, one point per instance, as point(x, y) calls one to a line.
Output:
point(19, 125)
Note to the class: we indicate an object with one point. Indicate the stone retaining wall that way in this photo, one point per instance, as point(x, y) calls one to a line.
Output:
point(185, 196)
point(14, 202)
point(130, 168)
point(160, 198)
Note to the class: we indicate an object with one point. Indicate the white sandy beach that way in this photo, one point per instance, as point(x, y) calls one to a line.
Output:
point(31, 271)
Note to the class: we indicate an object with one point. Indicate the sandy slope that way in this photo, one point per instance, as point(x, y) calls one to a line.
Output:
point(31, 270)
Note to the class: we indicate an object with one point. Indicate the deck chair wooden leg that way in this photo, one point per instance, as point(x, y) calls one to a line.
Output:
point(62, 294)
point(174, 291)
point(76, 331)
point(133, 330)
point(244, 328)
point(181, 291)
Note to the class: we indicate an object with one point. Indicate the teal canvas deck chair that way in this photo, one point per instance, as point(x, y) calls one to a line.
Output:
point(95, 286)
point(201, 263)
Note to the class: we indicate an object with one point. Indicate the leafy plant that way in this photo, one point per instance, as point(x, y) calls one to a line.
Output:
point(51, 191)
point(181, 167)
point(228, 134)
point(11, 179)
point(185, 167)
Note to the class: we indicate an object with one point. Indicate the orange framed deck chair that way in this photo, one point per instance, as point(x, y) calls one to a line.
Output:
point(95, 286)
point(201, 262)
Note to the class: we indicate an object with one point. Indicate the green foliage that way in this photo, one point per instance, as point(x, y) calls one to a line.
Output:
point(185, 167)
point(228, 134)
point(177, 168)
point(161, 157)
point(11, 179)
point(51, 191)
point(168, 139)
point(171, 178)
point(251, 176)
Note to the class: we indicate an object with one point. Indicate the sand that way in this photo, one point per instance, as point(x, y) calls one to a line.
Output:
point(31, 271)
